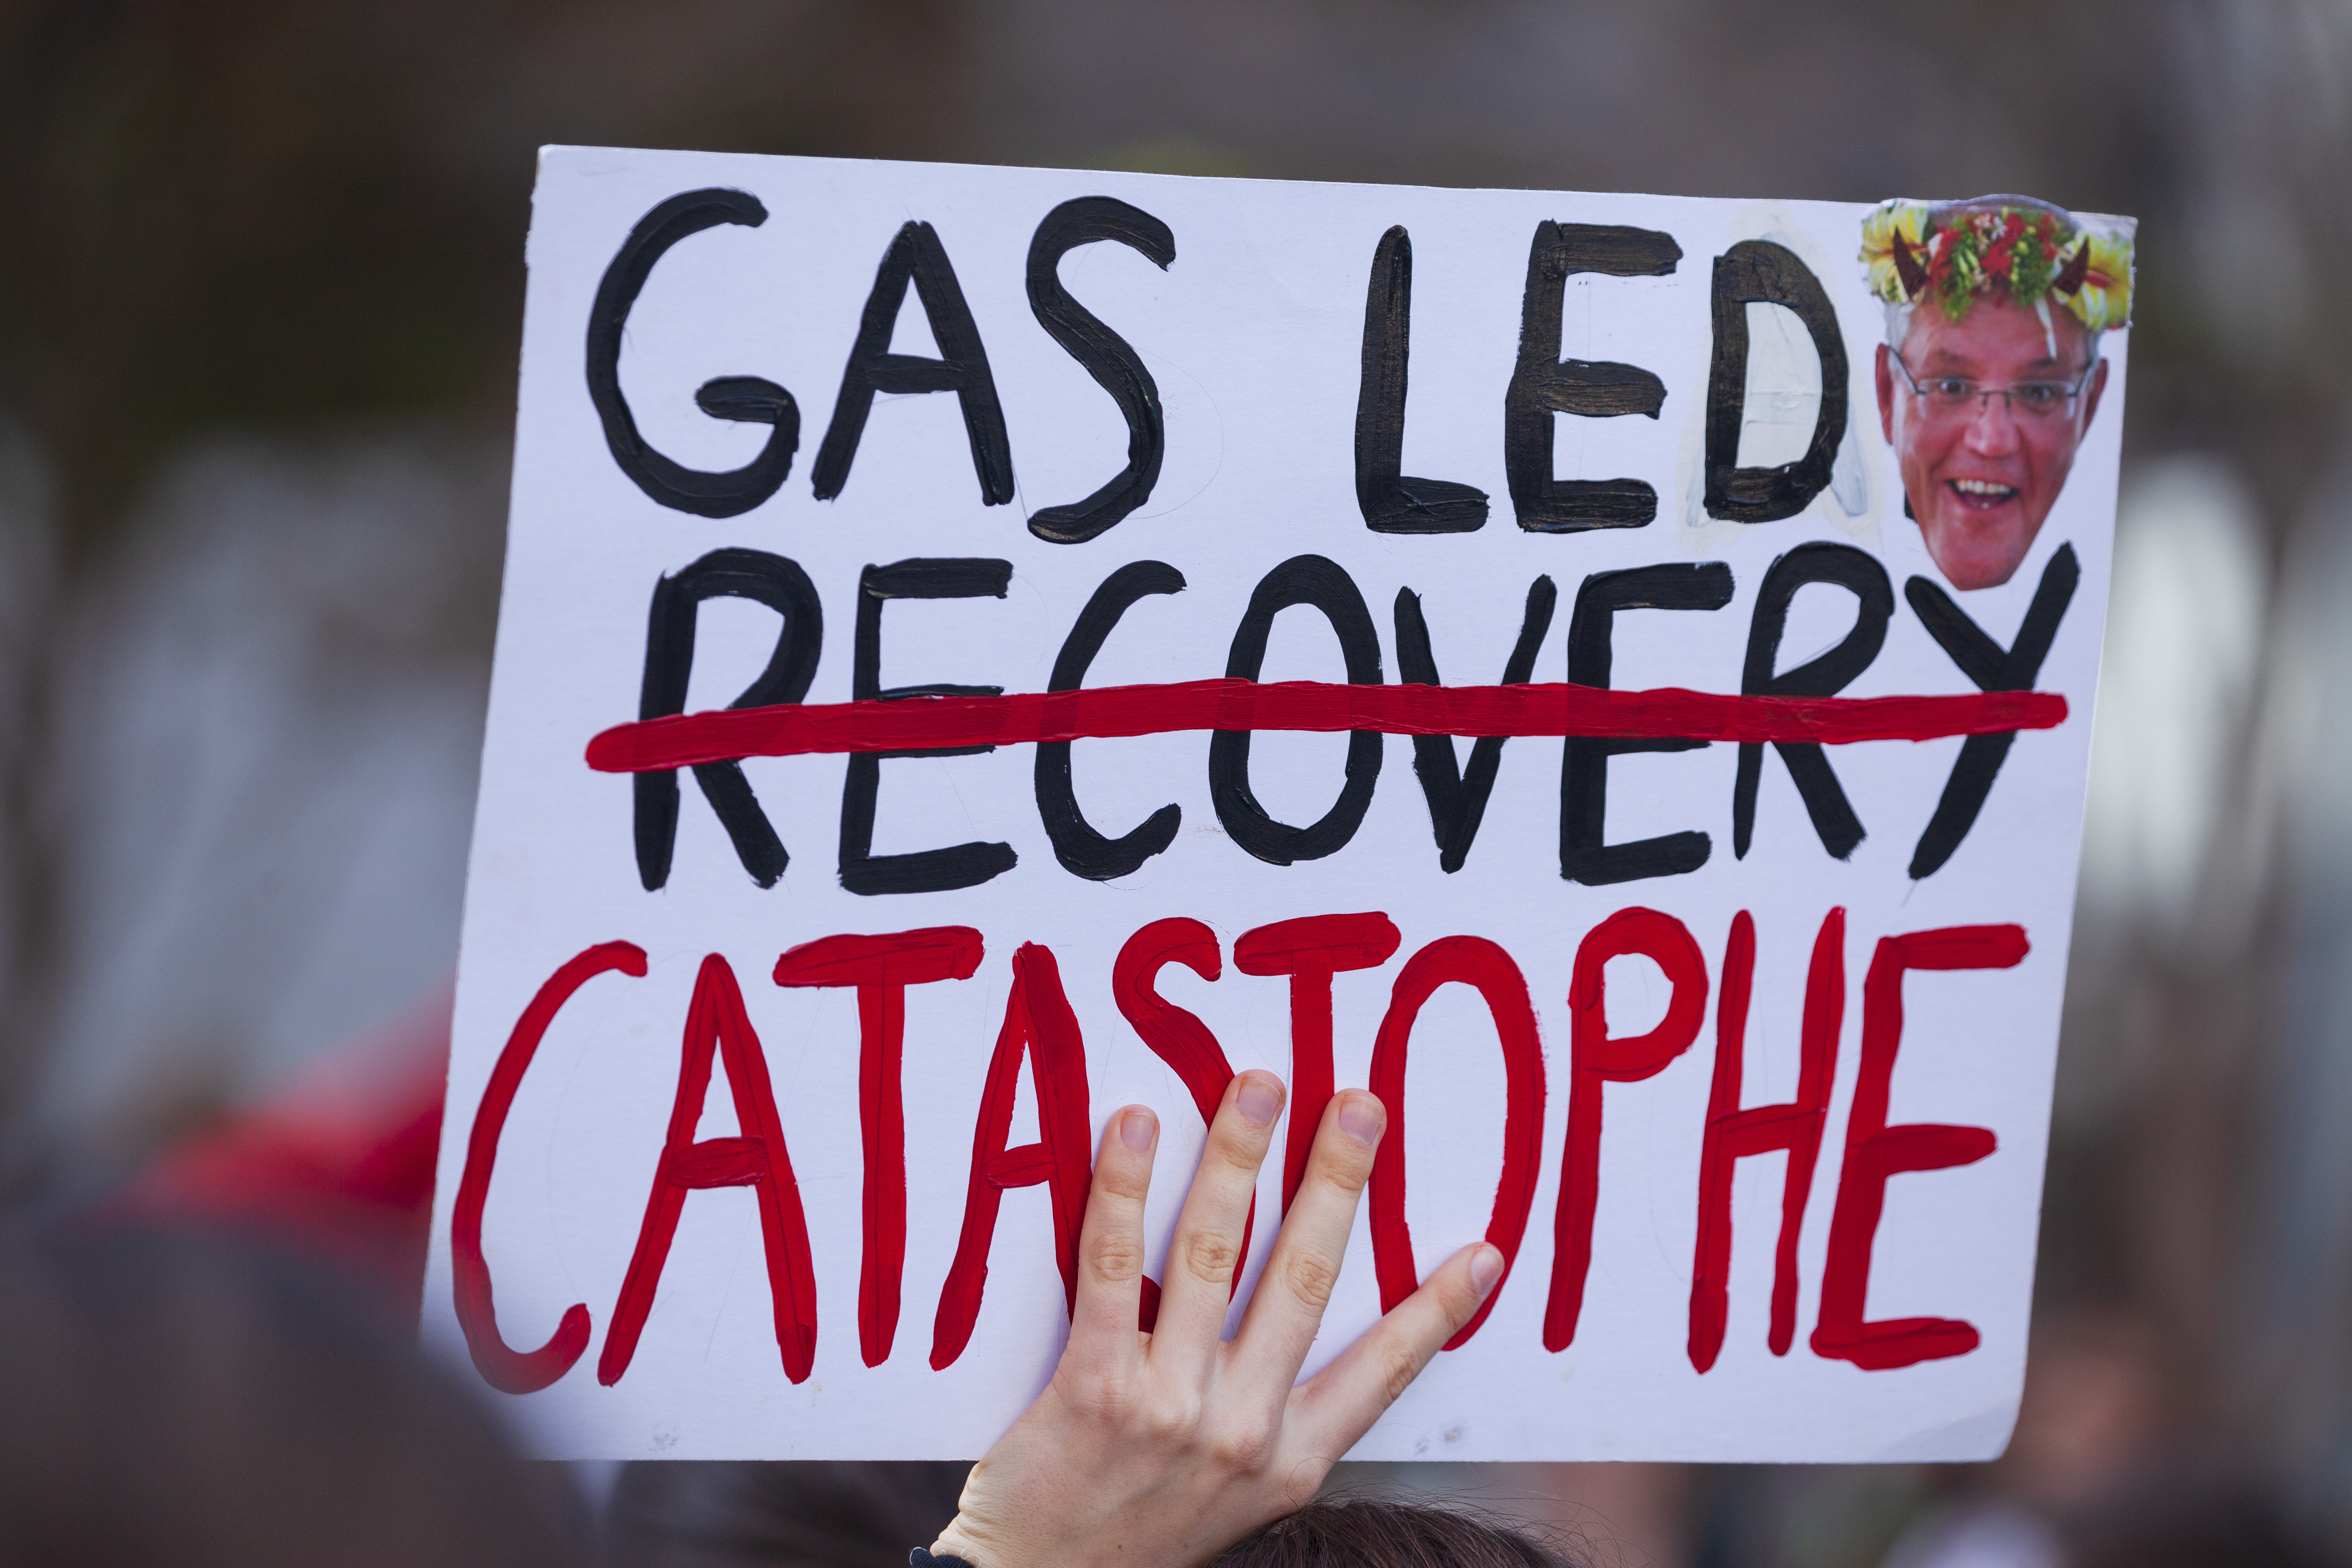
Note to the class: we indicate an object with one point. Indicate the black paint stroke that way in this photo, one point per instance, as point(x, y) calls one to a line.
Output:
point(1322, 582)
point(921, 870)
point(1457, 798)
point(1756, 271)
point(783, 587)
point(1859, 573)
point(1544, 385)
point(916, 255)
point(1076, 845)
point(1106, 355)
point(1391, 503)
point(744, 398)
point(1584, 857)
point(1993, 668)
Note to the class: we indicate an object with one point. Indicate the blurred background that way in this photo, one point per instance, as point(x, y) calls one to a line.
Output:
point(260, 298)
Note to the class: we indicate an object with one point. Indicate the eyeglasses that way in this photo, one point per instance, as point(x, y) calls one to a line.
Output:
point(1957, 397)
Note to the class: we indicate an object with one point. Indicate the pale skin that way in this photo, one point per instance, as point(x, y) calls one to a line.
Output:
point(1981, 484)
point(1159, 1450)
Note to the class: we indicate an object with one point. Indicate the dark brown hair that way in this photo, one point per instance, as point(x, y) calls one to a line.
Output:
point(1370, 1533)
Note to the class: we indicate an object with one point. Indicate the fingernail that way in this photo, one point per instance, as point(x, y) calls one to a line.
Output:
point(1259, 1100)
point(1135, 1128)
point(1485, 1267)
point(1360, 1117)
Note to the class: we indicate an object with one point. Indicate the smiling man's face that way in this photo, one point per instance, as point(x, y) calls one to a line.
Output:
point(1982, 473)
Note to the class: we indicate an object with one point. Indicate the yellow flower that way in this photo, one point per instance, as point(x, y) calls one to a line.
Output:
point(2105, 299)
point(1879, 230)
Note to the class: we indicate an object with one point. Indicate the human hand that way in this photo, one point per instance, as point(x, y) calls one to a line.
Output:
point(1159, 1450)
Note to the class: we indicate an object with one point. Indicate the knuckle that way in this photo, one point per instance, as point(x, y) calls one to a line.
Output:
point(1238, 1153)
point(1398, 1367)
point(1171, 1418)
point(1310, 1277)
point(1102, 1401)
point(1115, 1260)
point(1242, 1448)
point(1460, 1301)
point(1211, 1259)
point(1346, 1171)
point(1121, 1180)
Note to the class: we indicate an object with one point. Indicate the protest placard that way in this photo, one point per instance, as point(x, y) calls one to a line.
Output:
point(981, 646)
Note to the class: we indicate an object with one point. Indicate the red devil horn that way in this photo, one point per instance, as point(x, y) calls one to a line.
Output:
point(1907, 268)
point(2070, 277)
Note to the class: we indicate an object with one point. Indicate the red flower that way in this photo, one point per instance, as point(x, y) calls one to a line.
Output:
point(2002, 257)
point(1939, 258)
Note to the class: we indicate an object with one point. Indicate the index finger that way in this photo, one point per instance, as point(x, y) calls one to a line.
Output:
point(1339, 1404)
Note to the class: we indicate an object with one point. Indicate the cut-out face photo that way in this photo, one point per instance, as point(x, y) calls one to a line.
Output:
point(1991, 374)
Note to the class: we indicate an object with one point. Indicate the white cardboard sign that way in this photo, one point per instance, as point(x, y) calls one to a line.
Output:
point(1743, 1051)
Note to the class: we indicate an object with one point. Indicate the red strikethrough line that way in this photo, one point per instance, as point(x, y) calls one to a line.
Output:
point(918, 723)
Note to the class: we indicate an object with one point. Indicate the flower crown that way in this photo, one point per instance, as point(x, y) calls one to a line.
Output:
point(1952, 253)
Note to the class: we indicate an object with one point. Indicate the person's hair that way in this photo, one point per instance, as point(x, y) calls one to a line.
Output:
point(1372, 1533)
point(193, 1399)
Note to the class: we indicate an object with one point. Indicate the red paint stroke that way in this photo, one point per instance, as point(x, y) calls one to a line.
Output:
point(1875, 1152)
point(1311, 951)
point(1597, 1059)
point(881, 968)
point(504, 1368)
point(1733, 1135)
point(717, 1023)
point(918, 723)
point(1039, 1022)
point(1475, 962)
point(1177, 1037)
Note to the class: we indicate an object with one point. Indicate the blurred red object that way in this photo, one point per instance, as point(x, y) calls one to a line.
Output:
point(337, 1164)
